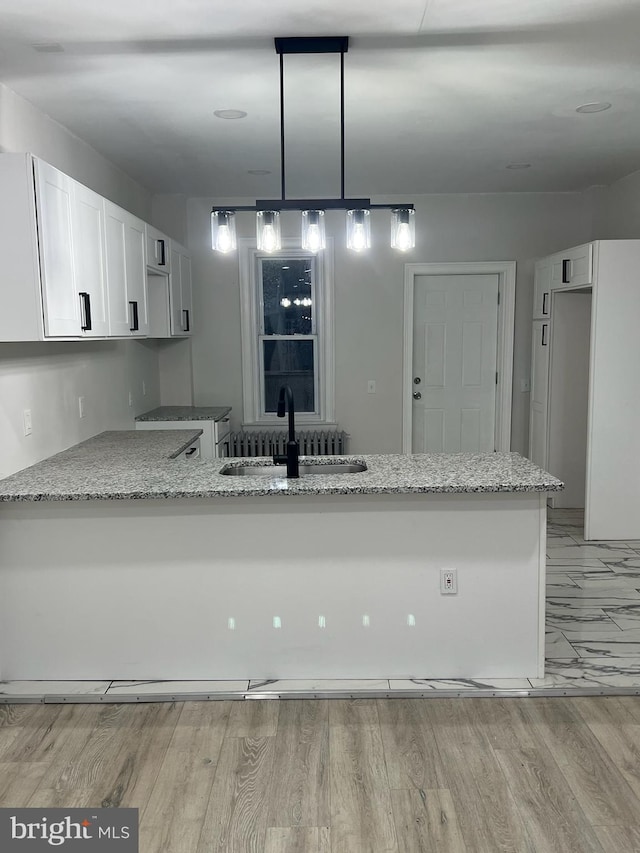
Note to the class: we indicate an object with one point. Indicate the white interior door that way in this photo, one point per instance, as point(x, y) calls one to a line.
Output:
point(455, 330)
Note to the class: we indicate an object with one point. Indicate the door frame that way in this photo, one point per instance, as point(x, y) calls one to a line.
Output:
point(506, 272)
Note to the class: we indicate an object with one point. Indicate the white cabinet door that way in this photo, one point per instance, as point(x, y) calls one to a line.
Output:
point(187, 295)
point(539, 392)
point(180, 291)
point(89, 261)
point(136, 276)
point(126, 273)
point(572, 268)
point(542, 289)
point(157, 249)
point(54, 202)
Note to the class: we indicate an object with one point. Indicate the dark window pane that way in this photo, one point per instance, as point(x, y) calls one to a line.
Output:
point(289, 363)
point(286, 293)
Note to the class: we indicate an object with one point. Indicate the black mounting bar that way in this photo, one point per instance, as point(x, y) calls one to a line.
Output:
point(312, 204)
point(313, 44)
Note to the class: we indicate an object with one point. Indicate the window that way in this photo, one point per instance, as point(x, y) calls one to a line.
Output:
point(287, 333)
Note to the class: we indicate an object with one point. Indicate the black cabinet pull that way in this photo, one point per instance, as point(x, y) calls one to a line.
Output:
point(185, 323)
point(545, 299)
point(163, 258)
point(566, 271)
point(134, 317)
point(544, 334)
point(85, 311)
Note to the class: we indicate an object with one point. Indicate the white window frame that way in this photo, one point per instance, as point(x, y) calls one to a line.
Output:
point(250, 323)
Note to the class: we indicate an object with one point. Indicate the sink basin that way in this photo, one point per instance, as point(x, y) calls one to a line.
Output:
point(281, 470)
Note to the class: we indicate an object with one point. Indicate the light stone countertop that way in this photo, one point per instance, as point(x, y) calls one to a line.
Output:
point(137, 464)
point(185, 413)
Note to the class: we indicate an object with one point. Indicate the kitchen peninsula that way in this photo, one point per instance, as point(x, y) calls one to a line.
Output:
point(120, 561)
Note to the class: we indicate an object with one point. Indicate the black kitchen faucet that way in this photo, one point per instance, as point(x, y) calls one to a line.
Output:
point(293, 448)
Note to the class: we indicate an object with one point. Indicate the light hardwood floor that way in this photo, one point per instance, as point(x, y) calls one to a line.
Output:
point(341, 776)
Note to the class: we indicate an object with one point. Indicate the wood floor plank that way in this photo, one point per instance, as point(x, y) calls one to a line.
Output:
point(426, 820)
point(361, 812)
point(298, 839)
point(173, 817)
point(502, 721)
point(618, 733)
point(601, 790)
point(42, 733)
point(14, 722)
point(300, 784)
point(410, 748)
point(619, 839)
point(254, 718)
point(94, 735)
point(553, 820)
point(18, 781)
point(349, 712)
point(128, 773)
point(236, 816)
point(487, 813)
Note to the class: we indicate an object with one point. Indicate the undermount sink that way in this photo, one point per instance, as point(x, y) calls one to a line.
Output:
point(331, 468)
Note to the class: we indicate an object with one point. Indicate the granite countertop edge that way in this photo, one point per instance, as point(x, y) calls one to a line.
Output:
point(141, 465)
point(184, 413)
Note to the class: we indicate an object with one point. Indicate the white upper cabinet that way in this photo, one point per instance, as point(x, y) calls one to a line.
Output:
point(572, 268)
point(89, 261)
point(158, 252)
point(180, 291)
point(75, 265)
point(126, 273)
point(60, 294)
point(542, 290)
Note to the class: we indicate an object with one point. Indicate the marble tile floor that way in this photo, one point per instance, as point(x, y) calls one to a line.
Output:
point(592, 640)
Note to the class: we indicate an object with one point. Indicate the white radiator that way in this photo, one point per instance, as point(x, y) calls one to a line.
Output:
point(320, 443)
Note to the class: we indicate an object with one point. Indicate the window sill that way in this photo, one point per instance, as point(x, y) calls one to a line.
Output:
point(282, 424)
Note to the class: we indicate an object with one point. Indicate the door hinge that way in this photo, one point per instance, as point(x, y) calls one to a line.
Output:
point(496, 377)
point(498, 297)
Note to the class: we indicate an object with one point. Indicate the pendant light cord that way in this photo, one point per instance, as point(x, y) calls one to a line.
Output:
point(282, 179)
point(342, 124)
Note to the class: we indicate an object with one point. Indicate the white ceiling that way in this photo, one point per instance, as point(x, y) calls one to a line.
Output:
point(440, 94)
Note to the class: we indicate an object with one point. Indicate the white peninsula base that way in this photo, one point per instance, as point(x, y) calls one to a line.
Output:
point(318, 586)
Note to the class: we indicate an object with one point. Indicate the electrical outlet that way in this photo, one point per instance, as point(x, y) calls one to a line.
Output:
point(448, 581)
point(130, 398)
point(26, 417)
point(81, 406)
point(371, 386)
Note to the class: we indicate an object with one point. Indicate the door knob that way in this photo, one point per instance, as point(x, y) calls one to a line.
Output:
point(417, 380)
point(417, 395)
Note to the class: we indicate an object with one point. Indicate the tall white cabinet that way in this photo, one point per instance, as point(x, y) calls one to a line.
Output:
point(585, 395)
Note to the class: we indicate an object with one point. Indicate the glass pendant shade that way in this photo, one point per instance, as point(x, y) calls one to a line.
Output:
point(313, 233)
point(403, 228)
point(223, 231)
point(358, 230)
point(268, 231)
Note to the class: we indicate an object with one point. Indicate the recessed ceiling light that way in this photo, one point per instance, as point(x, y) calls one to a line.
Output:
point(518, 166)
point(229, 113)
point(258, 172)
point(48, 47)
point(598, 107)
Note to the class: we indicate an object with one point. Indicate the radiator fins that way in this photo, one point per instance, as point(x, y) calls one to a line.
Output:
point(329, 443)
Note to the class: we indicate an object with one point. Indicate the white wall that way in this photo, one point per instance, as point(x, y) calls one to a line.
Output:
point(47, 377)
point(369, 294)
point(617, 210)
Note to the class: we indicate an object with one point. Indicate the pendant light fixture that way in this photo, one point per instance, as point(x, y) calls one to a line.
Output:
point(358, 210)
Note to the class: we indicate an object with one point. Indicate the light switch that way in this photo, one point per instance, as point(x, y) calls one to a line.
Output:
point(371, 386)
